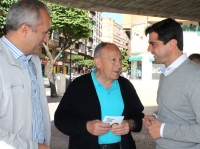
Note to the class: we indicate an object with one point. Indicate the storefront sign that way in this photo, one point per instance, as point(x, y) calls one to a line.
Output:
point(156, 71)
point(192, 28)
point(59, 63)
point(44, 62)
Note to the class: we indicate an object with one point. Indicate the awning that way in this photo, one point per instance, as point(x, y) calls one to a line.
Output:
point(59, 63)
point(44, 62)
point(135, 58)
point(151, 59)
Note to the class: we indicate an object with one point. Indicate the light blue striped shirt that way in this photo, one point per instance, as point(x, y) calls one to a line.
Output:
point(27, 64)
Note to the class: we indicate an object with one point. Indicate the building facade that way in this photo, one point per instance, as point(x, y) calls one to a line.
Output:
point(97, 30)
point(114, 33)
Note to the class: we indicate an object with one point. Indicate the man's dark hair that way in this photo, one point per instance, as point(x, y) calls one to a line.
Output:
point(167, 29)
point(195, 56)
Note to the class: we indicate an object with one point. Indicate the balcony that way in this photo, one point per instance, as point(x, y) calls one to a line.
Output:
point(53, 43)
point(89, 53)
point(89, 44)
point(93, 13)
point(93, 23)
point(80, 51)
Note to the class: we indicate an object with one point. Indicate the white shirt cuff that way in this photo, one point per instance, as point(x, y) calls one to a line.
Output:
point(155, 115)
point(161, 129)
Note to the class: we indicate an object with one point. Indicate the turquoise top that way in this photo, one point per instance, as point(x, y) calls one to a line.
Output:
point(111, 105)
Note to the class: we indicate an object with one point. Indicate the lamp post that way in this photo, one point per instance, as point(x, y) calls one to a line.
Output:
point(70, 66)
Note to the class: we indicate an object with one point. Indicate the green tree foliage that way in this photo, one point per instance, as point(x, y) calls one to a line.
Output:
point(80, 60)
point(72, 22)
point(125, 62)
point(89, 63)
point(4, 7)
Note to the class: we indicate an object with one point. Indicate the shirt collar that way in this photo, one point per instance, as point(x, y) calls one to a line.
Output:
point(18, 54)
point(96, 81)
point(174, 65)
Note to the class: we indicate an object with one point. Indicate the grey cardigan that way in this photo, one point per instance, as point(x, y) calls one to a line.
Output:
point(16, 105)
point(179, 107)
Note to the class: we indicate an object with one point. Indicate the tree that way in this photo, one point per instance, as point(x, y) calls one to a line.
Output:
point(80, 61)
point(74, 24)
point(89, 63)
point(125, 62)
point(4, 7)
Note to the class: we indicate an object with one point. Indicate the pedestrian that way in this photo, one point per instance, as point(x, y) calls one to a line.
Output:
point(195, 57)
point(138, 73)
point(82, 109)
point(128, 75)
point(176, 123)
point(24, 113)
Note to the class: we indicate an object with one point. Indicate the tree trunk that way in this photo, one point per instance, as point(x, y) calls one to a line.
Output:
point(52, 81)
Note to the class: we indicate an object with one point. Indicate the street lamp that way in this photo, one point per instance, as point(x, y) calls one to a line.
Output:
point(70, 65)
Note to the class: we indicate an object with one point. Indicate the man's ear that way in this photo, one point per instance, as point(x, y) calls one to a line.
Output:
point(173, 43)
point(97, 62)
point(24, 29)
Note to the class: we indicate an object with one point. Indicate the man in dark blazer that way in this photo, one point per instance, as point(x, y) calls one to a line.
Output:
point(91, 97)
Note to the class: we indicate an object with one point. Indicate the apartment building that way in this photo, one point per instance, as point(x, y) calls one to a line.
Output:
point(97, 29)
point(114, 33)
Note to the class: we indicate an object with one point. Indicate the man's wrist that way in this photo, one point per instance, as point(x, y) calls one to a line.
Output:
point(132, 124)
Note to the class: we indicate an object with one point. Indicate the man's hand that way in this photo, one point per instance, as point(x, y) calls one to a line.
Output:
point(97, 128)
point(42, 146)
point(121, 129)
point(147, 120)
point(154, 129)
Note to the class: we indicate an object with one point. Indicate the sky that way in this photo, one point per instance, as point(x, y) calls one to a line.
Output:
point(115, 16)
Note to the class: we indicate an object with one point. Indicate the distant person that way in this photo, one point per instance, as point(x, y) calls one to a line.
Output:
point(176, 123)
point(138, 73)
point(89, 70)
point(82, 109)
point(24, 113)
point(76, 72)
point(128, 75)
point(195, 57)
point(81, 72)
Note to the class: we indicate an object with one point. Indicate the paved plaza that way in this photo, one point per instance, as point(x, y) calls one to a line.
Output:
point(147, 93)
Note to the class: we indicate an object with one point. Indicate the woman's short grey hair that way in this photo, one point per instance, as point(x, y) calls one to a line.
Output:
point(25, 12)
